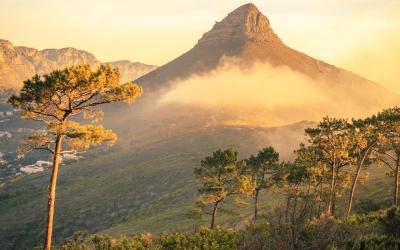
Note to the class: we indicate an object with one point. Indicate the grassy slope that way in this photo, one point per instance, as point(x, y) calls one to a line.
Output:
point(145, 188)
point(144, 183)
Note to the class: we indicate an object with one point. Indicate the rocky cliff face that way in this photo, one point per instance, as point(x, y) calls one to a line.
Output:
point(245, 23)
point(19, 63)
point(14, 67)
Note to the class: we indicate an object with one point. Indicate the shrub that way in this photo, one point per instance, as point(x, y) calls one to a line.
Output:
point(375, 230)
point(376, 242)
point(391, 221)
point(83, 241)
point(207, 239)
point(365, 206)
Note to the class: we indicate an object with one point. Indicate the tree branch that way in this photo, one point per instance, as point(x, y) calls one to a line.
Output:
point(45, 148)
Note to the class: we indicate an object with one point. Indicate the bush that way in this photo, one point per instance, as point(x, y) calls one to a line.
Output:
point(256, 237)
point(207, 239)
point(375, 230)
point(83, 241)
point(365, 206)
point(391, 221)
point(376, 242)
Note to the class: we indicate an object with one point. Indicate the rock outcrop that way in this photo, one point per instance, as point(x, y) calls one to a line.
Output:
point(18, 63)
point(246, 23)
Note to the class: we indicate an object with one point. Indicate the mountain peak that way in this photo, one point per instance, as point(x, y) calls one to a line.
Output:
point(245, 23)
point(246, 9)
point(5, 44)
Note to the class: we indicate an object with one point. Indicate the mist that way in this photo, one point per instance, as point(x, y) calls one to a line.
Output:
point(263, 95)
point(258, 86)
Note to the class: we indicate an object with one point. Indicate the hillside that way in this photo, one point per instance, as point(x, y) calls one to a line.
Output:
point(18, 63)
point(145, 182)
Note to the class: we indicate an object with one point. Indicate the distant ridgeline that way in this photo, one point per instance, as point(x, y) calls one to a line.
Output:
point(18, 63)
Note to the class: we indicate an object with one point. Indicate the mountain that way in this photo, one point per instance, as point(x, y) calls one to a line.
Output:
point(19, 63)
point(246, 36)
point(146, 181)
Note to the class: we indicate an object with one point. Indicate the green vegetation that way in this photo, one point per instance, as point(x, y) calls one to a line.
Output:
point(262, 169)
point(221, 178)
point(133, 187)
point(321, 172)
point(375, 230)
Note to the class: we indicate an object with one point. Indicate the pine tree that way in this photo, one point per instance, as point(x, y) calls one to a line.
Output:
point(54, 99)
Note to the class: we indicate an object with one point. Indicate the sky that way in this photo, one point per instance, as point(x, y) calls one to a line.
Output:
point(360, 35)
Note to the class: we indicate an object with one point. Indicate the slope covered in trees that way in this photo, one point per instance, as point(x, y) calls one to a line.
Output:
point(296, 183)
point(310, 214)
point(142, 183)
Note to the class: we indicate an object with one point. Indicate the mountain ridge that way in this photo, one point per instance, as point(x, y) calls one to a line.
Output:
point(18, 63)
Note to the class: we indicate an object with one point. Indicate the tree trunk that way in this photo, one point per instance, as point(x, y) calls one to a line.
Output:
point(319, 202)
point(256, 204)
point(52, 194)
point(331, 192)
point(294, 225)
point(214, 213)
point(294, 210)
point(303, 211)
point(333, 209)
point(319, 210)
point(396, 182)
point(311, 211)
point(355, 180)
point(287, 208)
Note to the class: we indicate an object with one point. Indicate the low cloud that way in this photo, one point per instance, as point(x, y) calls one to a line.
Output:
point(261, 86)
point(263, 95)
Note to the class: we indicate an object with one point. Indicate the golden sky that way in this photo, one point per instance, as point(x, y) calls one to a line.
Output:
point(360, 35)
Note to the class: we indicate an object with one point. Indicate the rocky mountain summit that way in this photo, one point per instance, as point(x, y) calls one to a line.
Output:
point(18, 63)
point(244, 23)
